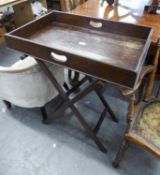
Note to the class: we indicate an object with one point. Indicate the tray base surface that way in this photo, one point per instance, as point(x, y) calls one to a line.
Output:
point(122, 51)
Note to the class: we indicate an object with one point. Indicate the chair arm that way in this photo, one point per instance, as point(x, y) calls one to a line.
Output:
point(20, 66)
point(145, 70)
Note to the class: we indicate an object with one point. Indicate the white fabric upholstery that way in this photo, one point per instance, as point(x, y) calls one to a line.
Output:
point(25, 85)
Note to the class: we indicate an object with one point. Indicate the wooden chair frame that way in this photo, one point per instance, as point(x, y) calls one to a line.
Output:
point(134, 107)
point(133, 111)
point(155, 5)
point(150, 84)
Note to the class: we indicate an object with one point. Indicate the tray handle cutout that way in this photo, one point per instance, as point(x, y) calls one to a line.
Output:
point(95, 24)
point(59, 58)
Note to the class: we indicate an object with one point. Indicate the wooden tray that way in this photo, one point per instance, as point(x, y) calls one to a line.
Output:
point(111, 51)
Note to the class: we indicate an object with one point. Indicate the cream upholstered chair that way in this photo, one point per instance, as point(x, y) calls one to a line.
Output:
point(25, 85)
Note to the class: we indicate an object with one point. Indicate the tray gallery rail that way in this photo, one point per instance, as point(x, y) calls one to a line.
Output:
point(109, 50)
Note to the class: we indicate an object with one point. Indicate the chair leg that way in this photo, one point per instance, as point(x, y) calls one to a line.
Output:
point(120, 153)
point(44, 115)
point(7, 103)
point(65, 85)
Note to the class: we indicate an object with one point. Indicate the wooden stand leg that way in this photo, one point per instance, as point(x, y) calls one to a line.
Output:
point(104, 102)
point(113, 117)
point(71, 106)
point(88, 129)
point(100, 121)
point(120, 154)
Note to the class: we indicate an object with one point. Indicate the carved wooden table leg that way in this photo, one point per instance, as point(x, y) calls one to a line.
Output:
point(153, 74)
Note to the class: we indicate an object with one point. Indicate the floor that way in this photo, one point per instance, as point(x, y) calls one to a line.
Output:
point(28, 147)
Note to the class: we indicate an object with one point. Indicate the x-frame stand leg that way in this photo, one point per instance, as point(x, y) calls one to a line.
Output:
point(92, 87)
point(107, 109)
point(113, 117)
point(71, 105)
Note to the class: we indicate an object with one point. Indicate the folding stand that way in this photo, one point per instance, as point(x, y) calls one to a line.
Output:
point(70, 103)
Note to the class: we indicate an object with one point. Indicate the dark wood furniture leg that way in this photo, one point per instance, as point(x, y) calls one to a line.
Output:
point(99, 94)
point(42, 109)
point(125, 143)
point(112, 115)
point(155, 5)
point(8, 104)
point(120, 153)
point(153, 74)
point(106, 105)
point(44, 115)
point(71, 105)
point(100, 121)
point(75, 80)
